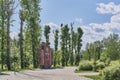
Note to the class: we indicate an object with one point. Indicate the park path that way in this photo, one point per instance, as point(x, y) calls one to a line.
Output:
point(66, 73)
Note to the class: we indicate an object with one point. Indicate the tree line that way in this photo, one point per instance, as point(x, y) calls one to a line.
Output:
point(103, 50)
point(70, 45)
point(22, 52)
point(71, 41)
point(29, 35)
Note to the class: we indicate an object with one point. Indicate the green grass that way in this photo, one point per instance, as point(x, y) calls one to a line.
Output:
point(95, 77)
point(57, 66)
point(79, 71)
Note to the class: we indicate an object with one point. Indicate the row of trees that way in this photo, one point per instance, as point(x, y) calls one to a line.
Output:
point(108, 48)
point(29, 36)
point(22, 52)
point(7, 8)
point(70, 42)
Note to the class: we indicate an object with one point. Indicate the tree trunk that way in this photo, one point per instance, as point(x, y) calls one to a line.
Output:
point(2, 41)
point(72, 45)
point(2, 44)
point(33, 51)
point(8, 43)
point(21, 44)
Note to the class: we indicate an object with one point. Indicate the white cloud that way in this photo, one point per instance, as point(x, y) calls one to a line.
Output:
point(95, 31)
point(51, 38)
point(111, 7)
point(80, 20)
point(115, 18)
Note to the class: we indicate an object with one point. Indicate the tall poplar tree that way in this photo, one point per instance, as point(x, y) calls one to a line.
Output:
point(9, 4)
point(56, 45)
point(2, 21)
point(72, 46)
point(22, 19)
point(79, 44)
point(63, 44)
point(32, 9)
point(46, 33)
point(66, 34)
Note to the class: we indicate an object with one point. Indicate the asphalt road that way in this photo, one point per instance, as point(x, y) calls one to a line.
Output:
point(66, 73)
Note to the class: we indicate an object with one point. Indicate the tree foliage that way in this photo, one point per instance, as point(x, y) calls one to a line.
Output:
point(32, 8)
point(46, 33)
point(79, 45)
point(56, 35)
point(108, 48)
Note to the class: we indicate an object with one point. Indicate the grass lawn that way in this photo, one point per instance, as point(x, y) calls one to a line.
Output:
point(95, 77)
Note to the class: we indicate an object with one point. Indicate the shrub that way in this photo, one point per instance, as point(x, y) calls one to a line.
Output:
point(114, 63)
point(100, 65)
point(94, 66)
point(85, 65)
point(58, 66)
point(111, 73)
point(107, 62)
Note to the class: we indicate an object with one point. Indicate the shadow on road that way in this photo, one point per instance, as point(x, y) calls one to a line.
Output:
point(4, 73)
point(50, 68)
point(31, 75)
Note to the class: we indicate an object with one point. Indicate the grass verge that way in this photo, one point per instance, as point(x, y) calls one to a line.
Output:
point(94, 77)
point(79, 71)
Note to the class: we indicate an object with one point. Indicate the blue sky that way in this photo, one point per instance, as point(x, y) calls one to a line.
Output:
point(66, 11)
point(97, 18)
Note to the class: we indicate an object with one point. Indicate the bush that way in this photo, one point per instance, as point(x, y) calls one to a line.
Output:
point(114, 63)
point(111, 73)
point(107, 62)
point(100, 65)
point(58, 66)
point(85, 65)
